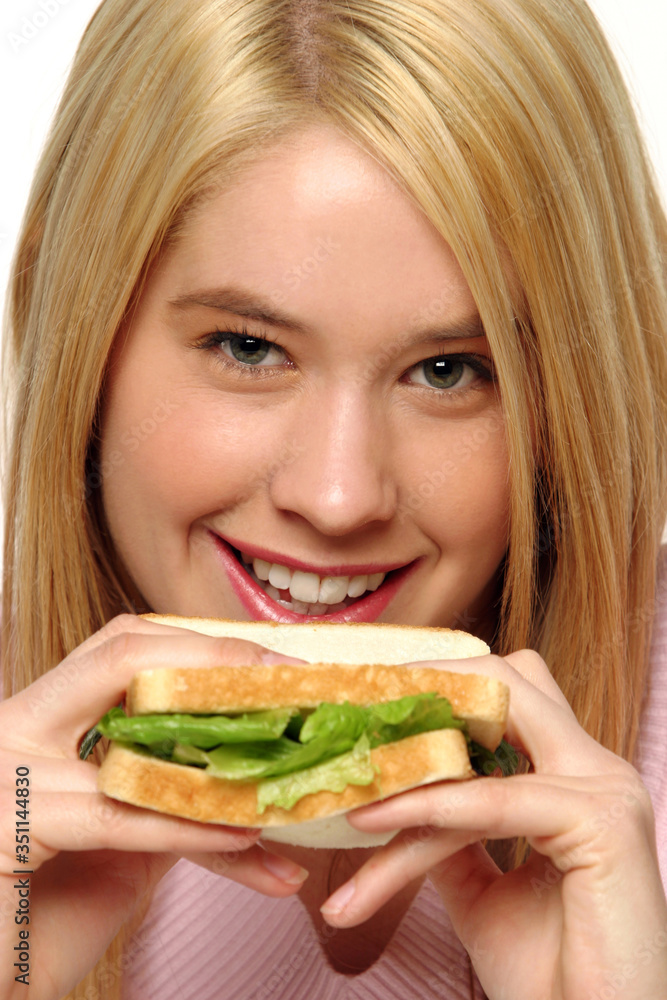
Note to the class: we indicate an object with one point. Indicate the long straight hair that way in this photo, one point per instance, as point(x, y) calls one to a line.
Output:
point(508, 124)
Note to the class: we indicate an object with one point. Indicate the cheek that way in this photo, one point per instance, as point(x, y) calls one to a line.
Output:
point(461, 485)
point(184, 454)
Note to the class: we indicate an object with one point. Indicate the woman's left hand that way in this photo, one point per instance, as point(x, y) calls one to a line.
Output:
point(585, 918)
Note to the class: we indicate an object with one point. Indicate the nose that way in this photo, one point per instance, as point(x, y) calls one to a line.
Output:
point(339, 478)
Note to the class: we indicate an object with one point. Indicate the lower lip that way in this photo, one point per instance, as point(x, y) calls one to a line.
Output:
point(262, 608)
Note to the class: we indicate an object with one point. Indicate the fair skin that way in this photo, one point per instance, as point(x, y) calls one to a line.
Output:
point(353, 486)
point(369, 425)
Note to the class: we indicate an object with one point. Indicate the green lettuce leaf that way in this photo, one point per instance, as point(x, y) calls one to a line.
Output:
point(182, 754)
point(421, 713)
point(487, 762)
point(251, 761)
point(327, 732)
point(332, 722)
point(203, 731)
point(334, 775)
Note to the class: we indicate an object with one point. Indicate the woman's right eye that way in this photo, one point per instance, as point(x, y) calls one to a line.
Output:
point(247, 350)
point(243, 353)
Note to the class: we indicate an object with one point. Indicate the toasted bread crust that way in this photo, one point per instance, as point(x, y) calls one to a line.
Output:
point(482, 701)
point(190, 792)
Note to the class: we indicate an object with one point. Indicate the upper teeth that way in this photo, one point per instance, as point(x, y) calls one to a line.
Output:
point(311, 588)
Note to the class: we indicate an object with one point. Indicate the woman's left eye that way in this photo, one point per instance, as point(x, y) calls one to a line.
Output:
point(452, 371)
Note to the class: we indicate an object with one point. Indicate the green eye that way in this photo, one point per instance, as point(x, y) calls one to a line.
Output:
point(445, 373)
point(451, 371)
point(248, 350)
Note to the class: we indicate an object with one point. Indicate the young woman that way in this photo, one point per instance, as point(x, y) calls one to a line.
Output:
point(374, 289)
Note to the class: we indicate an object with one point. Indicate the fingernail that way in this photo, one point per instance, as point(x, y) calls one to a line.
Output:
point(284, 869)
point(245, 837)
point(340, 899)
point(274, 659)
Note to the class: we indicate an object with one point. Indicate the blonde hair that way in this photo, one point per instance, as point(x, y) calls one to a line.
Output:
point(508, 123)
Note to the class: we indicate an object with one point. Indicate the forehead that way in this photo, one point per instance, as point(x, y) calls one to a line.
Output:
point(316, 205)
point(311, 187)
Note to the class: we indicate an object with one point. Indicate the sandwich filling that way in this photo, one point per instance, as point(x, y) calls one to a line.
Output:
point(287, 752)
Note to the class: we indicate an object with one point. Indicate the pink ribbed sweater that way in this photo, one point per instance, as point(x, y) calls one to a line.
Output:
point(208, 938)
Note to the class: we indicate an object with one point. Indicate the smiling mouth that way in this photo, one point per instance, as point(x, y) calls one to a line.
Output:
point(285, 599)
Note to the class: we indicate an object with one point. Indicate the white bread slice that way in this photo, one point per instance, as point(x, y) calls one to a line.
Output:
point(360, 668)
point(359, 642)
point(317, 820)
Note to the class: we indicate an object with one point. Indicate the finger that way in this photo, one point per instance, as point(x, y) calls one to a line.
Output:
point(79, 821)
point(573, 822)
point(85, 822)
point(256, 868)
point(408, 856)
point(461, 878)
point(528, 664)
point(128, 623)
point(137, 624)
point(555, 816)
point(52, 714)
point(49, 774)
point(540, 722)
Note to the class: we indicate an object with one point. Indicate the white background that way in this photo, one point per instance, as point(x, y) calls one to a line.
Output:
point(33, 70)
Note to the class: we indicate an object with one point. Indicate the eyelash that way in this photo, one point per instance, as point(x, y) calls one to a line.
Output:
point(480, 364)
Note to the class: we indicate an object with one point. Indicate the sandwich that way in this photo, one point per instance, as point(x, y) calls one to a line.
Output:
point(292, 748)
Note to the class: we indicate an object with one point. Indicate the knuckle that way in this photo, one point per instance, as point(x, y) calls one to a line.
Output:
point(238, 652)
point(103, 821)
point(122, 646)
point(499, 797)
point(528, 667)
point(120, 624)
point(526, 657)
point(528, 664)
point(622, 805)
point(103, 645)
point(635, 794)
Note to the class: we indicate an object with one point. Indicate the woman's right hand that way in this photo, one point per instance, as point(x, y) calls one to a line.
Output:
point(94, 858)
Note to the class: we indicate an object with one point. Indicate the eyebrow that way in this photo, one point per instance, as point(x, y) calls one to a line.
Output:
point(241, 302)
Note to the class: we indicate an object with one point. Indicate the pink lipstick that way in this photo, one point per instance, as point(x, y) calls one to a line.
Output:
point(261, 607)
